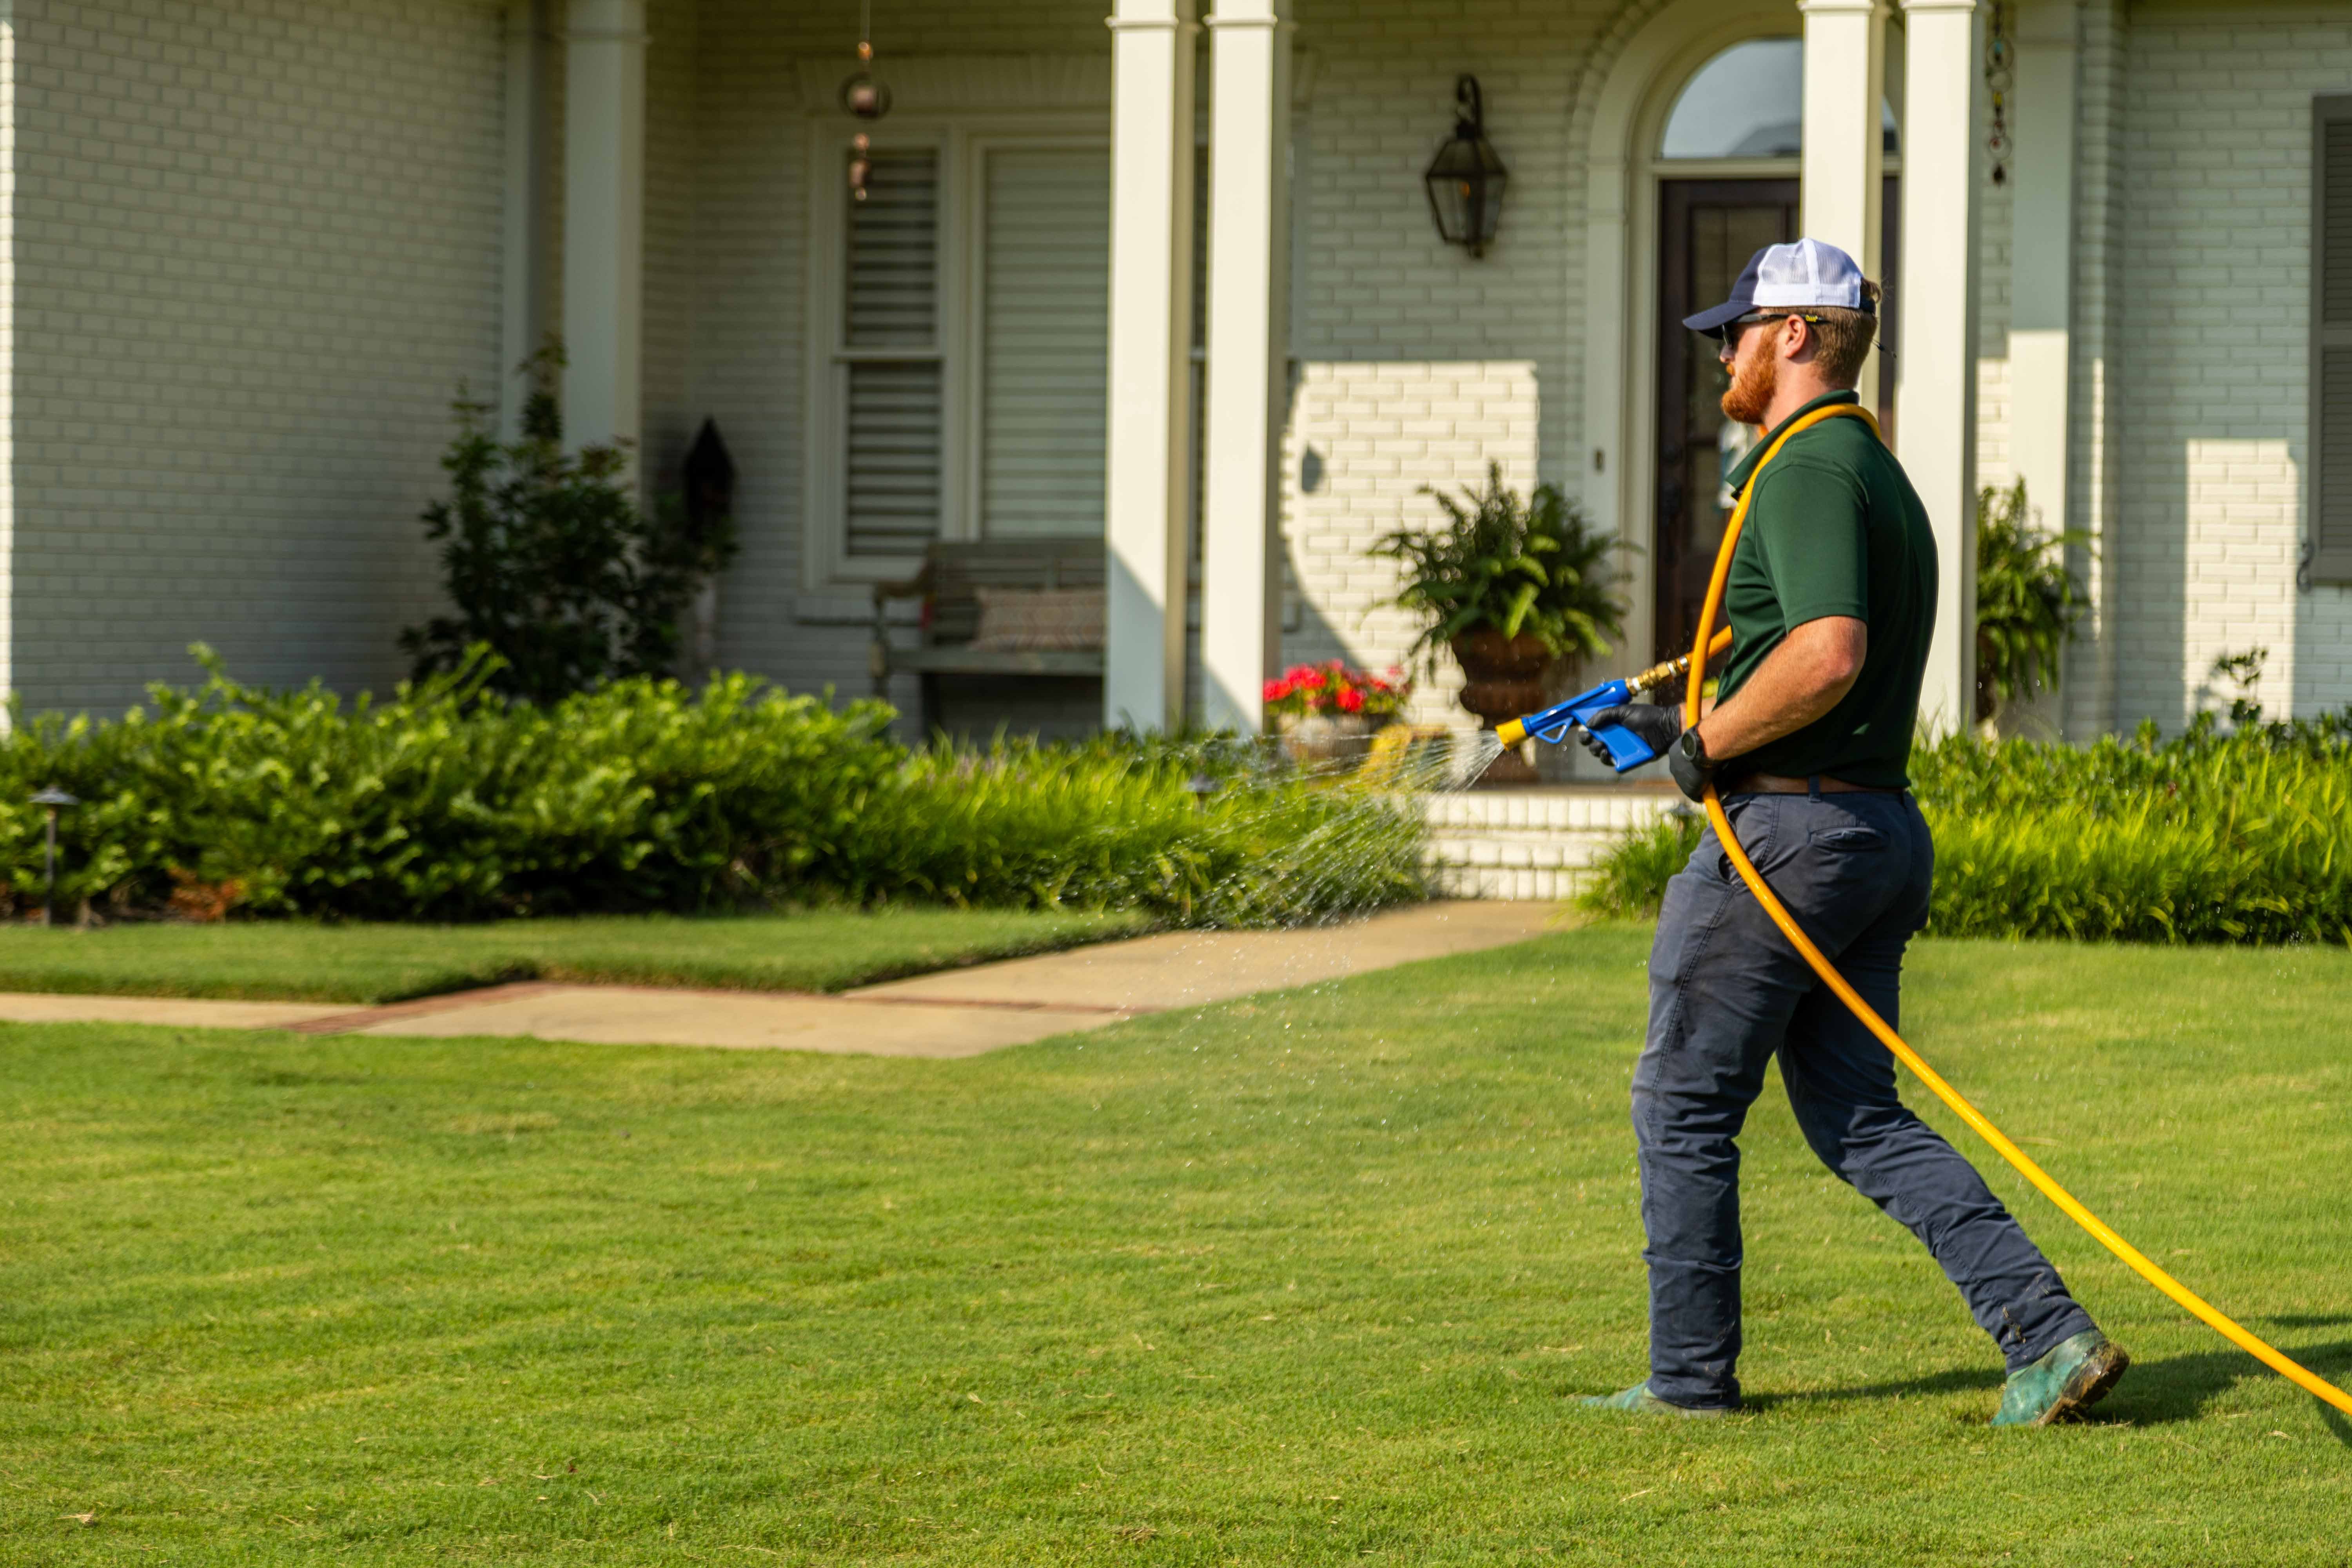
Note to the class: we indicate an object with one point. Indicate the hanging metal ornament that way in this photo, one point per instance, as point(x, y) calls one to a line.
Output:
point(1999, 80)
point(867, 98)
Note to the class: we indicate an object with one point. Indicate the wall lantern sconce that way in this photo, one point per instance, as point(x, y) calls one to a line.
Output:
point(1465, 179)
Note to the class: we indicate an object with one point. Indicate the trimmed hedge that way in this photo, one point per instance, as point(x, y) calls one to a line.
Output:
point(2206, 838)
point(445, 803)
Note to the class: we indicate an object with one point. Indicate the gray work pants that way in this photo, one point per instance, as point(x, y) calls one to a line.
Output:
point(1726, 991)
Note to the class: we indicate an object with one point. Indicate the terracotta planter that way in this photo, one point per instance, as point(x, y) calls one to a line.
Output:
point(1504, 679)
point(1327, 740)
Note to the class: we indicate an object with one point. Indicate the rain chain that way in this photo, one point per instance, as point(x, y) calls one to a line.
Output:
point(1999, 78)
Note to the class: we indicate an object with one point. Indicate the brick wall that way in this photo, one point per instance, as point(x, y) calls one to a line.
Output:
point(1417, 364)
point(2215, 381)
point(256, 247)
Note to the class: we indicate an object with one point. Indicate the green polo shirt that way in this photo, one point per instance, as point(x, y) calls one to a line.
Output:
point(1835, 530)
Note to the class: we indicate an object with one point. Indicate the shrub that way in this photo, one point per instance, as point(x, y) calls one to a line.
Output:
point(550, 561)
point(2027, 601)
point(445, 803)
point(2209, 836)
point(1631, 878)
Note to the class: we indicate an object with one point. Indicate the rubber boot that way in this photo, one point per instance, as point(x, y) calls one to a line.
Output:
point(2072, 1377)
point(1640, 1401)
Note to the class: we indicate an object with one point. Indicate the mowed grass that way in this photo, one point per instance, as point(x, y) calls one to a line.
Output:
point(303, 960)
point(1312, 1278)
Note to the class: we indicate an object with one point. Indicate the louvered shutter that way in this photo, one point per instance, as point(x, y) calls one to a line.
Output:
point(2331, 340)
point(1045, 341)
point(891, 403)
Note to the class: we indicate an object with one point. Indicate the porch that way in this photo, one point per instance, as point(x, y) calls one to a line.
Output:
point(1172, 283)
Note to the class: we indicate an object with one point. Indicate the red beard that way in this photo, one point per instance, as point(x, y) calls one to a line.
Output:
point(1754, 380)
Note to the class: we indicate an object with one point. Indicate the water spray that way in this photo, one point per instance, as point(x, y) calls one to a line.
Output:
point(1555, 724)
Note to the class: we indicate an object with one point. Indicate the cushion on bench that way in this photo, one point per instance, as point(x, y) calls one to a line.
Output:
point(1042, 620)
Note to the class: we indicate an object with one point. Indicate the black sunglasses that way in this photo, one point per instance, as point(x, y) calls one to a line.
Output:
point(1729, 333)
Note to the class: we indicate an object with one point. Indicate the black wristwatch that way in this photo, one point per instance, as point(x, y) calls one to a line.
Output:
point(1691, 765)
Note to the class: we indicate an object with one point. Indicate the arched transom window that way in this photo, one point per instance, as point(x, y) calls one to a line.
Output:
point(1745, 103)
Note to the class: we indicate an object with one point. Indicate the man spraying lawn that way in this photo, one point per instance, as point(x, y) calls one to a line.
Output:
point(1831, 595)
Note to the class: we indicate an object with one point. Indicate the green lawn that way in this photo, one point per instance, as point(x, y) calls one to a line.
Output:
point(824, 950)
point(1307, 1278)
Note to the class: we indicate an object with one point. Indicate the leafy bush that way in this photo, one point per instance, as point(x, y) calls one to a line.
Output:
point(447, 804)
point(1535, 566)
point(1631, 878)
point(2027, 602)
point(2209, 837)
point(550, 561)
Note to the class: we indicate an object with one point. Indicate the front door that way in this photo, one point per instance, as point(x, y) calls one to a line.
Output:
point(1707, 230)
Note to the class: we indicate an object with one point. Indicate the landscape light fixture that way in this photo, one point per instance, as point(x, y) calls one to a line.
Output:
point(1465, 179)
point(52, 798)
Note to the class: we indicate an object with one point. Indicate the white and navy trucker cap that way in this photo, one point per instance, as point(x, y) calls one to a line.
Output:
point(1798, 276)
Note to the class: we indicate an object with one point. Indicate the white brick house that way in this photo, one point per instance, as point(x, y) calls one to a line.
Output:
point(252, 245)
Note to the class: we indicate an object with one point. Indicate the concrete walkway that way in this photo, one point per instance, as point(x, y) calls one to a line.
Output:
point(953, 1013)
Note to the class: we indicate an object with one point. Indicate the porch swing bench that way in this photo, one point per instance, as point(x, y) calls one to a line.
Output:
point(1007, 609)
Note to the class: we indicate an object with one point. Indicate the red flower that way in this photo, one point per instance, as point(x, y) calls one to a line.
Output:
point(1351, 702)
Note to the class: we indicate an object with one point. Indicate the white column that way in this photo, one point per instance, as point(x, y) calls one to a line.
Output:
point(603, 218)
point(1935, 392)
point(524, 324)
point(2095, 485)
point(1248, 340)
point(2042, 257)
point(1150, 409)
point(1845, 137)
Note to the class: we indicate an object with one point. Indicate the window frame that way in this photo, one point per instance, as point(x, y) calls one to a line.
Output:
point(962, 142)
point(976, 145)
point(2327, 561)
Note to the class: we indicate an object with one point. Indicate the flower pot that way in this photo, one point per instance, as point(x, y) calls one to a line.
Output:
point(1327, 740)
point(1503, 680)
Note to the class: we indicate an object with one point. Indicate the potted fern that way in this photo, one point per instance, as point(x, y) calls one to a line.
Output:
point(1513, 588)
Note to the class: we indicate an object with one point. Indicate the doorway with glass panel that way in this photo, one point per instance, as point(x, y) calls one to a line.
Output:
point(1728, 186)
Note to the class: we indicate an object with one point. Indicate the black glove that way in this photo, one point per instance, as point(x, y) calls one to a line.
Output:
point(1656, 725)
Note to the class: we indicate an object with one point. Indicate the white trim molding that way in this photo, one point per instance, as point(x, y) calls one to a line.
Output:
point(1148, 554)
point(961, 144)
point(1936, 379)
point(1843, 138)
point(523, 325)
point(1249, 290)
point(604, 221)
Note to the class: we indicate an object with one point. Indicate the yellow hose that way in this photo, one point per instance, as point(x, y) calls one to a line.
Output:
point(2196, 1306)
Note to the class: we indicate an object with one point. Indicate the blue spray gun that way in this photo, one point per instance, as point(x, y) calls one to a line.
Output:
point(1627, 751)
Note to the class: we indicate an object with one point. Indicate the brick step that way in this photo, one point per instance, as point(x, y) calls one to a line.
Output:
point(1532, 843)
